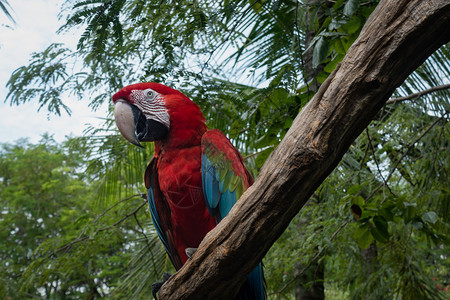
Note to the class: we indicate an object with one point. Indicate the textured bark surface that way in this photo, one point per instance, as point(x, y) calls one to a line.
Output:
point(396, 39)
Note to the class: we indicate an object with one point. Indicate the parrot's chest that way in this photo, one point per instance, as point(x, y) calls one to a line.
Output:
point(180, 181)
point(180, 178)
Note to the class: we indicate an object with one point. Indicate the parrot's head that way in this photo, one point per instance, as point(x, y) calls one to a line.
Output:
point(146, 112)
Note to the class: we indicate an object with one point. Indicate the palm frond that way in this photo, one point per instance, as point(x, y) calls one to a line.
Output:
point(6, 7)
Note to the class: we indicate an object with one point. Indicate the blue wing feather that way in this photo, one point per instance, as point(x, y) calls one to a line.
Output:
point(219, 199)
point(155, 216)
point(253, 287)
point(210, 185)
point(228, 199)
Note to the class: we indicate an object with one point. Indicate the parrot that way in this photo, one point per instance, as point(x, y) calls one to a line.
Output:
point(195, 176)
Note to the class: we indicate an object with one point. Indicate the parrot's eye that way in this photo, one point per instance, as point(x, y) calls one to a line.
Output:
point(150, 94)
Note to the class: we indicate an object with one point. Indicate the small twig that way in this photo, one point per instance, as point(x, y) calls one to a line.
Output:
point(419, 94)
point(155, 269)
point(256, 153)
point(376, 161)
point(107, 210)
point(82, 237)
point(404, 154)
point(117, 203)
point(123, 219)
point(366, 153)
point(433, 166)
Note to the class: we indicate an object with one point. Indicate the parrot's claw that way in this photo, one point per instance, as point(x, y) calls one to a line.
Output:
point(190, 252)
point(157, 285)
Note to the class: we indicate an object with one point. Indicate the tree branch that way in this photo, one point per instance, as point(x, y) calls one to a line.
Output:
point(396, 39)
point(376, 162)
point(394, 167)
point(82, 237)
point(419, 94)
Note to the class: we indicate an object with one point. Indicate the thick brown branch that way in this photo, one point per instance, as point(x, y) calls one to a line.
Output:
point(419, 94)
point(396, 39)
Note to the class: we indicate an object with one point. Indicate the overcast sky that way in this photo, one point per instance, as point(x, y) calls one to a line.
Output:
point(37, 22)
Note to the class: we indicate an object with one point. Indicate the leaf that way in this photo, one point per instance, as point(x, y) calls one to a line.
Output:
point(337, 4)
point(339, 47)
point(417, 225)
point(430, 217)
point(5, 10)
point(287, 123)
point(358, 200)
point(354, 189)
point(332, 64)
point(386, 213)
point(262, 156)
point(378, 235)
point(380, 232)
point(352, 25)
point(278, 96)
point(256, 5)
point(351, 7)
point(321, 50)
point(367, 214)
point(363, 237)
point(381, 224)
point(322, 77)
point(349, 42)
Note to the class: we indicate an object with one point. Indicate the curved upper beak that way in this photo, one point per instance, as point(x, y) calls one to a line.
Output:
point(127, 117)
point(135, 127)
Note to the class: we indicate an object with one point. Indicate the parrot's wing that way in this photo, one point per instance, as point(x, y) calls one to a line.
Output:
point(224, 176)
point(162, 227)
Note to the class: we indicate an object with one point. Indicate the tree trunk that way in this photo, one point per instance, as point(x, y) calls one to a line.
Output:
point(396, 39)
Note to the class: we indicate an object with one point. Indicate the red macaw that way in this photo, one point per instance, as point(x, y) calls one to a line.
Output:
point(195, 176)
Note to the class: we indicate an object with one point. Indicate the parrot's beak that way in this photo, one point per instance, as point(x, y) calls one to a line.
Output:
point(127, 117)
point(133, 125)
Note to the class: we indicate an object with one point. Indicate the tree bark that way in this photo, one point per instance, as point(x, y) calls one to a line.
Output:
point(396, 39)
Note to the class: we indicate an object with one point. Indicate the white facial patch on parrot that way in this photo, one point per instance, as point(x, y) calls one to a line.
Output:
point(152, 105)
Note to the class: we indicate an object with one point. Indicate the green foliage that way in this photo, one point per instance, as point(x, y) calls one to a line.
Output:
point(40, 188)
point(337, 27)
point(57, 242)
point(50, 67)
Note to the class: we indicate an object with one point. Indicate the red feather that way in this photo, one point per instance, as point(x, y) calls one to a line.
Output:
point(124, 93)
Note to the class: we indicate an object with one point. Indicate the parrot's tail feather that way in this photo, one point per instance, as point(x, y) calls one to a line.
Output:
point(254, 287)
